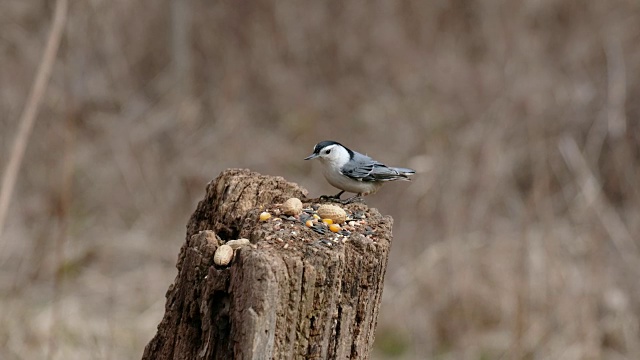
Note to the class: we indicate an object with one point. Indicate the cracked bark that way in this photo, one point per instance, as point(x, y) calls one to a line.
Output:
point(303, 301)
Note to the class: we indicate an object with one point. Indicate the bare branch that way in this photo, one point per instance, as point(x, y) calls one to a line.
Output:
point(30, 111)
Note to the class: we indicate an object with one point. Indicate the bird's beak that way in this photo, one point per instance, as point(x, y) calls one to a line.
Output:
point(312, 156)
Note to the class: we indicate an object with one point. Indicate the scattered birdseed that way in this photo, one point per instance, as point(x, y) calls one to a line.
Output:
point(264, 216)
point(309, 217)
point(319, 229)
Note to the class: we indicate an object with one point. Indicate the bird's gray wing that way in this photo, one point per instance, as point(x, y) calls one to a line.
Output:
point(358, 171)
point(364, 168)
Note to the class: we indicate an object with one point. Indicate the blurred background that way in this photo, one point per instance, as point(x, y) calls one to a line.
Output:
point(518, 239)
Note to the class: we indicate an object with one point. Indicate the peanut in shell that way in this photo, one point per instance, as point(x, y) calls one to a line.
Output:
point(333, 212)
point(292, 207)
point(223, 255)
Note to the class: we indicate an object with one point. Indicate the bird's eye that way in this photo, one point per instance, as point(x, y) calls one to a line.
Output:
point(327, 151)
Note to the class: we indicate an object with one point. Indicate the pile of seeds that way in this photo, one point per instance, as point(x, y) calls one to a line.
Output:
point(332, 221)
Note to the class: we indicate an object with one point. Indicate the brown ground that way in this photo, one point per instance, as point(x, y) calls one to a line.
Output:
point(518, 237)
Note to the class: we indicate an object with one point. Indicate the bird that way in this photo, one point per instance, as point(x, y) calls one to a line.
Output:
point(352, 171)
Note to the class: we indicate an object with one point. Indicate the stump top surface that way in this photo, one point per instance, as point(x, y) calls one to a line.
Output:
point(292, 235)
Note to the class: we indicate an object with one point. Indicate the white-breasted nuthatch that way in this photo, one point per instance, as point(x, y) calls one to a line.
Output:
point(351, 171)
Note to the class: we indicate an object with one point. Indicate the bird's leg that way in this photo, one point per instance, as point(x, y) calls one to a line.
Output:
point(335, 197)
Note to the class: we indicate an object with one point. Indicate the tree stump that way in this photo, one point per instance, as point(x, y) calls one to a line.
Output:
point(294, 293)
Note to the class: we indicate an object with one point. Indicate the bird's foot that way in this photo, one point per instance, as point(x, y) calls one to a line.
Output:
point(336, 198)
point(332, 198)
point(353, 199)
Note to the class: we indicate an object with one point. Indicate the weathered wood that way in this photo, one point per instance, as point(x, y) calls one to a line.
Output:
point(293, 294)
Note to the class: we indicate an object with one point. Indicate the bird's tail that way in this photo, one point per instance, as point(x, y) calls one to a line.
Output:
point(405, 172)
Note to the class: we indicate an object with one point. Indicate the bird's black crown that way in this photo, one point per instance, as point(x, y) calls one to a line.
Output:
point(323, 144)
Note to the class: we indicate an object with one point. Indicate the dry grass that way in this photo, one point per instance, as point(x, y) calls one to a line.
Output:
point(518, 239)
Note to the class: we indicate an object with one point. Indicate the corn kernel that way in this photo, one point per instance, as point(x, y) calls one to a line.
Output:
point(327, 221)
point(309, 223)
point(316, 216)
point(264, 216)
point(334, 227)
